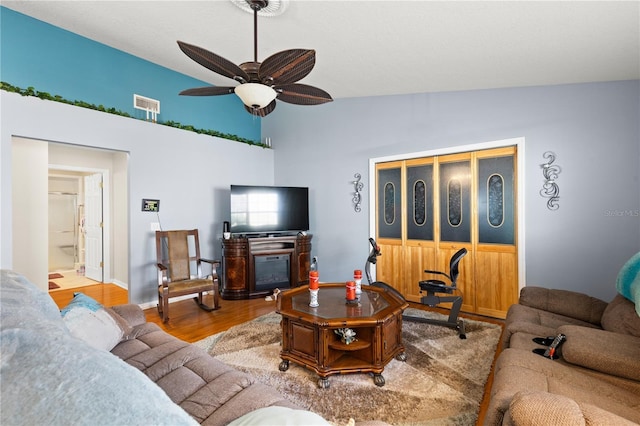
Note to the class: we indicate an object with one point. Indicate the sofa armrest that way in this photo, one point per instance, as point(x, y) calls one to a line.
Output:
point(564, 302)
point(543, 408)
point(610, 353)
point(131, 313)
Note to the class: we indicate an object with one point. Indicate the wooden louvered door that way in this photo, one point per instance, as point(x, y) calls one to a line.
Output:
point(429, 208)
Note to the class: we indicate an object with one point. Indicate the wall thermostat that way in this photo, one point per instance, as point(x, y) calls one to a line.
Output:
point(150, 205)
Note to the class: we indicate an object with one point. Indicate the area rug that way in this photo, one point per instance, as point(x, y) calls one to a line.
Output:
point(53, 286)
point(55, 275)
point(441, 382)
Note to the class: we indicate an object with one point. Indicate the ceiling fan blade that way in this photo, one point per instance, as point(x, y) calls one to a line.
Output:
point(208, 91)
point(262, 111)
point(287, 67)
point(302, 94)
point(215, 63)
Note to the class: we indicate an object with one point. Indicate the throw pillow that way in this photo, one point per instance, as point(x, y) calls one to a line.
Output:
point(276, 415)
point(628, 280)
point(621, 317)
point(91, 322)
point(533, 408)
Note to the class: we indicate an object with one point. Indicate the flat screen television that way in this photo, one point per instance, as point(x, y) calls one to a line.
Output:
point(269, 209)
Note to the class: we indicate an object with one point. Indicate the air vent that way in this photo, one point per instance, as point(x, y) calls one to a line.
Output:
point(151, 106)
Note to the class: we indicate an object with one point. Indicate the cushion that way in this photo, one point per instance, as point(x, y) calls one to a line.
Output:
point(610, 353)
point(50, 377)
point(20, 295)
point(621, 317)
point(283, 416)
point(628, 280)
point(543, 408)
point(564, 302)
point(91, 322)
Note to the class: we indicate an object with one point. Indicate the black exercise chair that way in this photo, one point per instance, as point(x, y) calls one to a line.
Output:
point(433, 286)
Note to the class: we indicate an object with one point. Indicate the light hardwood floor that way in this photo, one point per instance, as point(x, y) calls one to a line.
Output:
point(189, 323)
point(107, 294)
point(69, 279)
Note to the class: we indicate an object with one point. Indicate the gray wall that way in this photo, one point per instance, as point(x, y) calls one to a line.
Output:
point(592, 128)
point(189, 173)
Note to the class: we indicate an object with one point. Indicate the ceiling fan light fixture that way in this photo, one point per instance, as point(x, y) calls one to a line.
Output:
point(277, 74)
point(255, 95)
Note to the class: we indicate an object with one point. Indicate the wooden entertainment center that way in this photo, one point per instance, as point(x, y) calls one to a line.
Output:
point(255, 266)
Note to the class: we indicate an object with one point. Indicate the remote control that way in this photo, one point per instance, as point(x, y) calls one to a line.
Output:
point(551, 350)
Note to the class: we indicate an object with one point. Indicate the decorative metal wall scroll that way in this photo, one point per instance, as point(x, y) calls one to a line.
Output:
point(550, 188)
point(357, 197)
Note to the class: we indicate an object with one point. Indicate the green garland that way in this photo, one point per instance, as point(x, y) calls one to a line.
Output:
point(30, 91)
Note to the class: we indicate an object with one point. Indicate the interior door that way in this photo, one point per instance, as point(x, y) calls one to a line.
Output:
point(93, 226)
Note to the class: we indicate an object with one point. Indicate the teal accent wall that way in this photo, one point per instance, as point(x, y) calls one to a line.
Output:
point(50, 59)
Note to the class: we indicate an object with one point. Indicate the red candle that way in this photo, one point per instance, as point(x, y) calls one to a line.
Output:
point(357, 274)
point(313, 280)
point(351, 290)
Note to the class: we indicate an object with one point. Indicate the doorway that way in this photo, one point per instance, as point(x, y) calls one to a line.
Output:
point(32, 159)
point(75, 240)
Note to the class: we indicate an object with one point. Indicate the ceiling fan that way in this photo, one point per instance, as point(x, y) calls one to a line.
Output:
point(261, 83)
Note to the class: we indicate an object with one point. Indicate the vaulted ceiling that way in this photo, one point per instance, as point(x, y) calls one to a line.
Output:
point(370, 48)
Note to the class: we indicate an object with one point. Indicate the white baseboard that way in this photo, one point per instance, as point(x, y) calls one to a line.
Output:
point(120, 284)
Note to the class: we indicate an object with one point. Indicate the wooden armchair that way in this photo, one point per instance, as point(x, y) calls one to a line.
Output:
point(180, 270)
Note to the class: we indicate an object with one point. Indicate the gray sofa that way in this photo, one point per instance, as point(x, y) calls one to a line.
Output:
point(54, 372)
point(596, 380)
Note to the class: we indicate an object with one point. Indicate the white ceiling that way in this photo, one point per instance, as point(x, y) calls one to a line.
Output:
point(369, 48)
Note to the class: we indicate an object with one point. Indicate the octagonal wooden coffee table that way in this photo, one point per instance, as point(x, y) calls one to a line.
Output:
point(309, 335)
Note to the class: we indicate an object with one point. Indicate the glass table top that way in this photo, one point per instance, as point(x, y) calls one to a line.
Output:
point(333, 304)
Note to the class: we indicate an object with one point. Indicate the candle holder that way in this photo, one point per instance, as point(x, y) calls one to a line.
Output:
point(354, 302)
point(313, 280)
point(351, 291)
point(313, 298)
point(357, 277)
